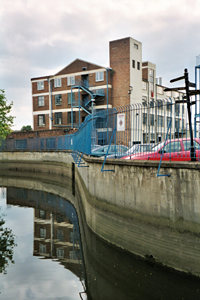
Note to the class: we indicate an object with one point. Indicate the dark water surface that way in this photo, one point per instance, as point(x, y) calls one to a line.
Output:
point(55, 259)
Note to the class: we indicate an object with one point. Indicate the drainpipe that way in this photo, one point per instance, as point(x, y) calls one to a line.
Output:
point(50, 104)
point(71, 109)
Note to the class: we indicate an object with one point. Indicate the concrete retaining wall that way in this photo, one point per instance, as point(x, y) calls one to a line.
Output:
point(157, 217)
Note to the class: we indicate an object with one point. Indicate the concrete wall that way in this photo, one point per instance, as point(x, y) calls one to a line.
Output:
point(132, 208)
point(136, 73)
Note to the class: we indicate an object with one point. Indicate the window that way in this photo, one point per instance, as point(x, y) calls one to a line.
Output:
point(40, 85)
point(42, 214)
point(60, 253)
point(151, 119)
point(187, 145)
point(172, 147)
point(160, 104)
point(152, 136)
point(71, 80)
point(58, 99)
point(58, 118)
point(177, 109)
point(151, 76)
point(169, 120)
point(41, 101)
point(42, 248)
point(42, 232)
point(100, 76)
point(136, 46)
point(133, 63)
point(160, 121)
point(138, 65)
point(57, 82)
point(59, 219)
point(41, 120)
point(151, 103)
point(71, 239)
point(177, 125)
point(60, 235)
point(69, 119)
point(71, 98)
point(144, 118)
point(72, 255)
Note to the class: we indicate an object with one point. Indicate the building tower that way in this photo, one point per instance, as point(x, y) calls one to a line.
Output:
point(126, 63)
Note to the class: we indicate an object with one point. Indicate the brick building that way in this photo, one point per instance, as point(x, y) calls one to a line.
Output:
point(63, 100)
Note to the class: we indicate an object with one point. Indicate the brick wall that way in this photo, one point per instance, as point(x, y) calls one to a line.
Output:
point(77, 66)
point(145, 73)
point(39, 133)
point(120, 63)
point(74, 67)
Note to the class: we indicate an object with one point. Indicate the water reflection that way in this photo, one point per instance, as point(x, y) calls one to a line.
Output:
point(106, 273)
point(56, 238)
point(7, 243)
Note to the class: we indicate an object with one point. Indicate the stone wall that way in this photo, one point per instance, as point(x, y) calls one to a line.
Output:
point(130, 207)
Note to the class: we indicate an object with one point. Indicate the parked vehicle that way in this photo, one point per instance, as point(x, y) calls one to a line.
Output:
point(139, 148)
point(113, 150)
point(173, 150)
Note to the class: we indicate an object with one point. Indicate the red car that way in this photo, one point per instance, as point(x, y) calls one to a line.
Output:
point(175, 150)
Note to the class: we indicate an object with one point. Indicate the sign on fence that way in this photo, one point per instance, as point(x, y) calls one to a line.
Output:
point(120, 122)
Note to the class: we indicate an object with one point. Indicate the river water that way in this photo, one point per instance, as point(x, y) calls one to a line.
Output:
point(54, 255)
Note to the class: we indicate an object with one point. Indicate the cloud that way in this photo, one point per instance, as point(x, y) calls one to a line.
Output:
point(41, 38)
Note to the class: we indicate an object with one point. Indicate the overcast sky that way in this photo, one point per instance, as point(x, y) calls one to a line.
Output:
point(40, 37)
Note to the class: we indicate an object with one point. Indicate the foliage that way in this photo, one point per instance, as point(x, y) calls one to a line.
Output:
point(7, 244)
point(6, 121)
point(26, 128)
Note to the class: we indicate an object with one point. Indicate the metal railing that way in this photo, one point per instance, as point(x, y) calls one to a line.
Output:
point(123, 131)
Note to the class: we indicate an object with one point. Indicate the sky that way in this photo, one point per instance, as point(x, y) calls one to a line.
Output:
point(42, 37)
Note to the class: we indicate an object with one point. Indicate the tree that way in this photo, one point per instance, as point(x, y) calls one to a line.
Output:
point(7, 244)
point(6, 120)
point(26, 128)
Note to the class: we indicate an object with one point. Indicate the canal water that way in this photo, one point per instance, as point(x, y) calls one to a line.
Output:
point(46, 252)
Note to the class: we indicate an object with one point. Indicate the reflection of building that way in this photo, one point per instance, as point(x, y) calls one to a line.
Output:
point(55, 237)
point(56, 231)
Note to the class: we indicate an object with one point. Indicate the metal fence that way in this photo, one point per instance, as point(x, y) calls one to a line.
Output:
point(123, 131)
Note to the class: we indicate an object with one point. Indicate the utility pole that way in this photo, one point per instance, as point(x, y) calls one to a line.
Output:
point(186, 99)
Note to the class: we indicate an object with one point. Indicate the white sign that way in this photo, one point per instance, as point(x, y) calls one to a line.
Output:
point(120, 122)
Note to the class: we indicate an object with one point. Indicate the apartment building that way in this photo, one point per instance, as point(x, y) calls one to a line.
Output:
point(66, 98)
